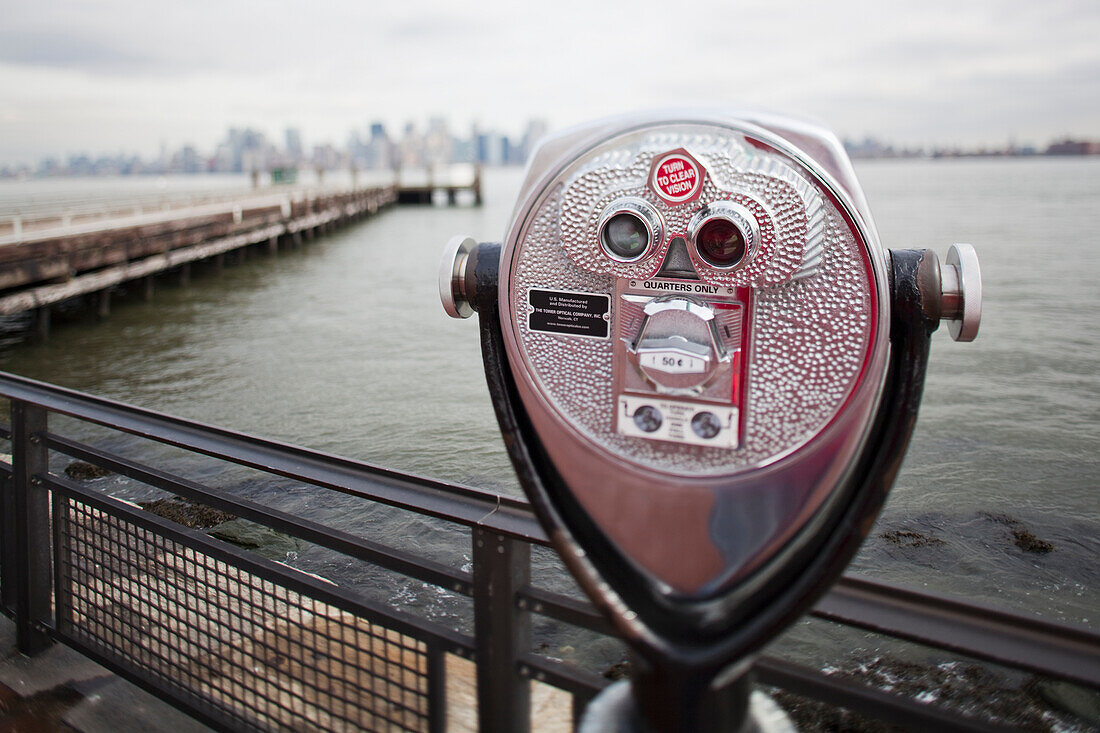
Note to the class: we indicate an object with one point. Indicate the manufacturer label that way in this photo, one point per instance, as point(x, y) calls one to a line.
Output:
point(573, 314)
point(676, 177)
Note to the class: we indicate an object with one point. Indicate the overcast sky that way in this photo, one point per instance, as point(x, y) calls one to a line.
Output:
point(130, 74)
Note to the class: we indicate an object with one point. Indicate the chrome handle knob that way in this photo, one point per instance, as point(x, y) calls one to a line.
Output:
point(453, 292)
point(961, 292)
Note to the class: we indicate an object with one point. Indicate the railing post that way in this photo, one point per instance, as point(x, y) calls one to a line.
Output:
point(580, 705)
point(7, 544)
point(31, 531)
point(502, 632)
point(437, 689)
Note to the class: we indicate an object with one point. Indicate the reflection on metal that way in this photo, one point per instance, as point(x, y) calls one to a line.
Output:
point(341, 624)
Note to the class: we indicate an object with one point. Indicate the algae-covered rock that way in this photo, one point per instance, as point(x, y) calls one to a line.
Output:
point(1028, 542)
point(186, 512)
point(81, 471)
point(911, 538)
point(1022, 537)
point(257, 538)
point(618, 671)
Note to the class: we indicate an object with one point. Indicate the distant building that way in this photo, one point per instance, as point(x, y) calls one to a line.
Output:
point(437, 144)
point(1073, 147)
point(357, 150)
point(380, 154)
point(294, 150)
point(464, 151)
point(491, 147)
point(410, 148)
point(187, 160)
point(536, 130)
point(327, 157)
point(243, 151)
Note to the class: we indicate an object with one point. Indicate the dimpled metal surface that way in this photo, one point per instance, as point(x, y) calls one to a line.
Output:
point(574, 371)
point(811, 321)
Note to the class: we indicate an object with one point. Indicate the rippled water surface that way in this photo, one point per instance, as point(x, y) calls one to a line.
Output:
point(343, 347)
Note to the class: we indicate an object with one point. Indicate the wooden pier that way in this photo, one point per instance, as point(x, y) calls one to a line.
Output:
point(424, 192)
point(58, 260)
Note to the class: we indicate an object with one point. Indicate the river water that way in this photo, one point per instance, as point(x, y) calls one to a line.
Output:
point(343, 347)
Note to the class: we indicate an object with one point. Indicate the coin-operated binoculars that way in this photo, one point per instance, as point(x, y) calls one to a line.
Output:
point(707, 371)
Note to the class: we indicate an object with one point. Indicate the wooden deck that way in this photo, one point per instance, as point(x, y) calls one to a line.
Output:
point(424, 189)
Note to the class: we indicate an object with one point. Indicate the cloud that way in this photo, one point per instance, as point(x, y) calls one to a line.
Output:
point(67, 51)
point(925, 71)
point(435, 27)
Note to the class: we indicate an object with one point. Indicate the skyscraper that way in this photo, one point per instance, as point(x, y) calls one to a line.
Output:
point(293, 144)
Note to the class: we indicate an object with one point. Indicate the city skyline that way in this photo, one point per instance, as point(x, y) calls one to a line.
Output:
point(247, 149)
point(372, 147)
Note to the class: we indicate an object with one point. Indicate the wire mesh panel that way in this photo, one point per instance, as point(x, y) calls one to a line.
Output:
point(237, 645)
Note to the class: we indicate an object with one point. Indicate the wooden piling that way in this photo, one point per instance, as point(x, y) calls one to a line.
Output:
point(103, 303)
point(41, 327)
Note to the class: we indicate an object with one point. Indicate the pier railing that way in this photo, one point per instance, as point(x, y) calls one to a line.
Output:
point(242, 642)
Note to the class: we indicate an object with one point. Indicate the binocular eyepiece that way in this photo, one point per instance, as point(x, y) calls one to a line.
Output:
point(707, 369)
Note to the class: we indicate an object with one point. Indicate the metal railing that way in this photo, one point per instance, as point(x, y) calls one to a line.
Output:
point(242, 642)
point(27, 217)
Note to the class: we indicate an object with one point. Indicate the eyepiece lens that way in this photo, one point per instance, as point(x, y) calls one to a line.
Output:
point(706, 425)
point(625, 236)
point(720, 243)
point(648, 418)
